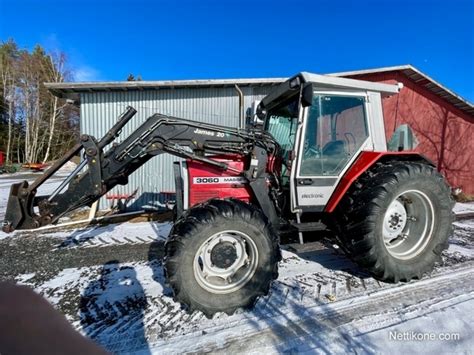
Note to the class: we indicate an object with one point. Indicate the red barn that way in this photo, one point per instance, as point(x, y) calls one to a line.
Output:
point(442, 120)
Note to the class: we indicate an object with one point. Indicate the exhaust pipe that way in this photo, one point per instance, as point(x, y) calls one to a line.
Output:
point(241, 106)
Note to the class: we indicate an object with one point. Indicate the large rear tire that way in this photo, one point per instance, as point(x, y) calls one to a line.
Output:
point(396, 219)
point(221, 255)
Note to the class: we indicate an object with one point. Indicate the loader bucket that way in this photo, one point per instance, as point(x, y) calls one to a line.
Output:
point(19, 214)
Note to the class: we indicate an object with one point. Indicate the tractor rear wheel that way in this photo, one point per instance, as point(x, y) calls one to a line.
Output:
point(396, 220)
point(221, 255)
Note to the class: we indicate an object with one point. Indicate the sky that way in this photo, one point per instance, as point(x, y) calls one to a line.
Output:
point(207, 39)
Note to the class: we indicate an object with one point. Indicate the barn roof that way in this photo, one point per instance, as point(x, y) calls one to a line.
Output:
point(72, 90)
point(420, 79)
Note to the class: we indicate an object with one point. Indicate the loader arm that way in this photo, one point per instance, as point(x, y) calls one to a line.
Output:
point(101, 170)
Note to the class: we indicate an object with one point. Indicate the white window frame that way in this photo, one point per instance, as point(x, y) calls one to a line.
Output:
point(367, 145)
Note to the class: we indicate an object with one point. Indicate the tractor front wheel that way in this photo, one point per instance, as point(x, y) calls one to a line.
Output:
point(221, 255)
point(396, 219)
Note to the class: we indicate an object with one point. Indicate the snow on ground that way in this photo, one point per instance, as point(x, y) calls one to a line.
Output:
point(118, 234)
point(422, 334)
point(67, 168)
point(6, 180)
point(461, 207)
point(373, 325)
point(321, 302)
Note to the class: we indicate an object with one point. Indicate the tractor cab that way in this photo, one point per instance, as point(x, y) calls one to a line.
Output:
point(322, 124)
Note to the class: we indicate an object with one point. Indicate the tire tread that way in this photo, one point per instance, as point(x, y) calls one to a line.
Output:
point(358, 211)
point(207, 213)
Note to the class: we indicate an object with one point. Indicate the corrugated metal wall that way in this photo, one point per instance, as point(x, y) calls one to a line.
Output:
point(99, 110)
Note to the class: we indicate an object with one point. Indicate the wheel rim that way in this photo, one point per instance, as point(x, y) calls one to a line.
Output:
point(408, 224)
point(225, 262)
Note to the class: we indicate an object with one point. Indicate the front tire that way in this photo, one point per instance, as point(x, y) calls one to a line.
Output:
point(396, 220)
point(221, 255)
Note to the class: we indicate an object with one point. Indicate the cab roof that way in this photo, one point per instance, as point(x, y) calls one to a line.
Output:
point(326, 82)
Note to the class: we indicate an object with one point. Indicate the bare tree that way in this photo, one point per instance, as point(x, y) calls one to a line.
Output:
point(7, 76)
point(55, 74)
point(34, 124)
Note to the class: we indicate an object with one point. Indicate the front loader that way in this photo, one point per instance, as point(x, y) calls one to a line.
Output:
point(320, 162)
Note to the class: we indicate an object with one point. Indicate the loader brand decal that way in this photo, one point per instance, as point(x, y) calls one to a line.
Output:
point(209, 133)
point(220, 180)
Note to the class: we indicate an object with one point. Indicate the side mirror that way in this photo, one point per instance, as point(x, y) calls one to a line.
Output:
point(307, 95)
point(261, 112)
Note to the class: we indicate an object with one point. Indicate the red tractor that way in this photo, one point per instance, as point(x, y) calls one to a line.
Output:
point(320, 162)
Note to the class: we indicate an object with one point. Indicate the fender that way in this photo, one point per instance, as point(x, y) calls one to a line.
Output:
point(364, 162)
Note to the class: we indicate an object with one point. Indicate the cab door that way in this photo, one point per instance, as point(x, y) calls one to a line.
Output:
point(333, 133)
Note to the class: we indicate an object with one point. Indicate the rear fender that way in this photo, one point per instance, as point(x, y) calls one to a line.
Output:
point(364, 162)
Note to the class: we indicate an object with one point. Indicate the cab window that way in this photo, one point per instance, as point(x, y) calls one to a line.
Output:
point(282, 122)
point(336, 128)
